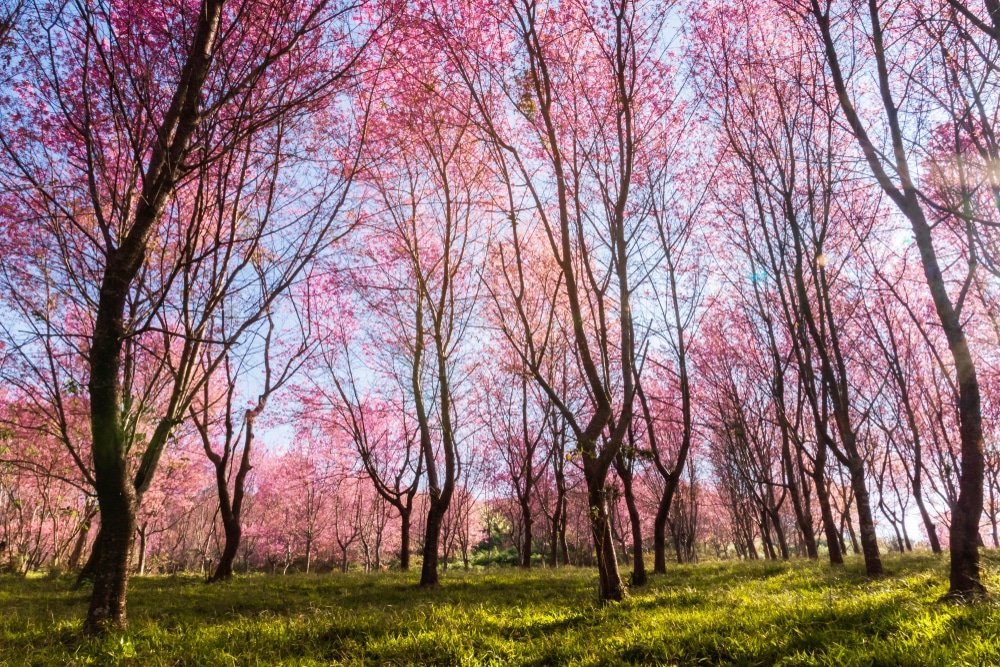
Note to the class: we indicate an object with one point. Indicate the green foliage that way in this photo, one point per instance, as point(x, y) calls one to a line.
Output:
point(715, 613)
point(494, 556)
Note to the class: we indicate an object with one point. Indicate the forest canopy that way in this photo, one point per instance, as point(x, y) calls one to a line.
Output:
point(313, 285)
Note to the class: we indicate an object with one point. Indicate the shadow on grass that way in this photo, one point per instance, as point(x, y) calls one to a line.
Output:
point(766, 640)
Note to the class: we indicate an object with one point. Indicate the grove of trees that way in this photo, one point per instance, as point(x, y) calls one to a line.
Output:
point(296, 285)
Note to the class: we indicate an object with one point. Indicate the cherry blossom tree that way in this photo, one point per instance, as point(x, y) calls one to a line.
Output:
point(569, 127)
point(895, 172)
point(125, 113)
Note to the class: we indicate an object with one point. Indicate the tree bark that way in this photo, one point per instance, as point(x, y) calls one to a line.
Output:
point(866, 522)
point(553, 558)
point(563, 542)
point(233, 533)
point(639, 576)
point(141, 567)
point(660, 535)
point(929, 526)
point(779, 533)
point(432, 537)
point(610, 586)
point(113, 558)
point(803, 518)
point(830, 530)
point(81, 540)
point(89, 569)
point(526, 537)
point(404, 540)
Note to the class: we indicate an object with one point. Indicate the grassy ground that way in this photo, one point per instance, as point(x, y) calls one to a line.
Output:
point(714, 613)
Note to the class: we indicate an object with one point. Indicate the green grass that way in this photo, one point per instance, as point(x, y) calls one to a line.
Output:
point(714, 613)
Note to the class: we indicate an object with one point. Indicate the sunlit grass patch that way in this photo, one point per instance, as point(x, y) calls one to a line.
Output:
point(796, 613)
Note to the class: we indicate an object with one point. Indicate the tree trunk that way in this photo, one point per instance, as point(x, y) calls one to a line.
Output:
point(81, 541)
point(563, 542)
point(803, 518)
point(779, 532)
point(751, 547)
point(929, 526)
point(113, 558)
point(964, 539)
point(610, 587)
point(866, 522)
point(526, 534)
point(639, 576)
point(233, 532)
point(899, 538)
point(553, 558)
point(618, 534)
point(141, 568)
point(404, 540)
point(89, 569)
point(846, 521)
point(830, 530)
point(765, 537)
point(660, 535)
point(432, 538)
